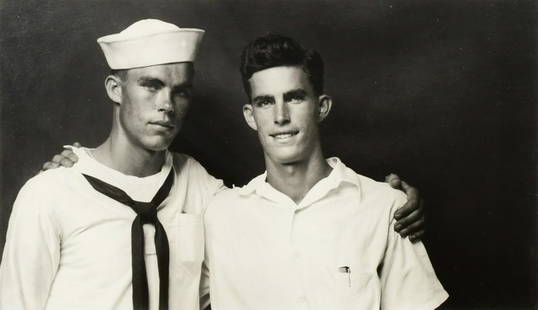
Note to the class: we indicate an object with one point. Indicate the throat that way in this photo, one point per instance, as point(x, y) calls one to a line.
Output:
point(296, 180)
point(129, 161)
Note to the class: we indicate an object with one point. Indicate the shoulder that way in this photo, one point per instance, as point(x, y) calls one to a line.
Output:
point(184, 163)
point(227, 196)
point(188, 166)
point(379, 195)
point(370, 187)
point(41, 193)
point(225, 201)
point(49, 183)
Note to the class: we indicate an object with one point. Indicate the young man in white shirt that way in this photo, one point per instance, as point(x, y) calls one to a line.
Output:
point(122, 229)
point(309, 233)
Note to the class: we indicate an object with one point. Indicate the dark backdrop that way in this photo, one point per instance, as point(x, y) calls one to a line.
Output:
point(442, 92)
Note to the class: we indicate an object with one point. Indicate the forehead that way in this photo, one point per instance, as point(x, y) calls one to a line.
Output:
point(279, 80)
point(173, 74)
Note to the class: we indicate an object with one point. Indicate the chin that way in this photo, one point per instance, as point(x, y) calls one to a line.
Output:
point(287, 158)
point(157, 145)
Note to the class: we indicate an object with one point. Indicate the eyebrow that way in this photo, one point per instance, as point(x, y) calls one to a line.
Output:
point(153, 80)
point(262, 98)
point(299, 92)
point(150, 80)
point(181, 86)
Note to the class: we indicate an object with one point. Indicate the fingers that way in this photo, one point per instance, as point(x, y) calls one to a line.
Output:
point(413, 203)
point(410, 217)
point(412, 228)
point(49, 165)
point(417, 236)
point(393, 180)
point(412, 225)
point(63, 160)
point(405, 222)
point(408, 188)
point(396, 183)
point(69, 154)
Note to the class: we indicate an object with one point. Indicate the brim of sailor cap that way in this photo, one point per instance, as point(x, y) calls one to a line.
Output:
point(129, 50)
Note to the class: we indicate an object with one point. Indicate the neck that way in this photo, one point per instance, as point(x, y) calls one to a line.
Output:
point(127, 158)
point(296, 179)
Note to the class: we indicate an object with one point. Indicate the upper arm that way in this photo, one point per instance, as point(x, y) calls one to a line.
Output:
point(31, 253)
point(208, 183)
point(407, 276)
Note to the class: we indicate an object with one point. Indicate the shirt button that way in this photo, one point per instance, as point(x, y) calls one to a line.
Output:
point(297, 255)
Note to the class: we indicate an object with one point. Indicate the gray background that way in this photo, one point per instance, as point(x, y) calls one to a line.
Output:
point(442, 92)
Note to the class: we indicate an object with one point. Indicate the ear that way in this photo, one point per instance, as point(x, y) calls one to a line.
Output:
point(249, 118)
point(113, 88)
point(325, 104)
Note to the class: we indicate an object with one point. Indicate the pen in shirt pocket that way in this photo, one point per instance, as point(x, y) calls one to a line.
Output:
point(346, 269)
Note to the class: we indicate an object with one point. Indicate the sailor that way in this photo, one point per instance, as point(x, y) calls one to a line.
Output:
point(121, 229)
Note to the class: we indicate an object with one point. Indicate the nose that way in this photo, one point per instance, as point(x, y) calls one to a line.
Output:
point(281, 113)
point(165, 103)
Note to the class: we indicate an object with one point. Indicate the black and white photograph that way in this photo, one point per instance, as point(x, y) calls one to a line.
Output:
point(268, 155)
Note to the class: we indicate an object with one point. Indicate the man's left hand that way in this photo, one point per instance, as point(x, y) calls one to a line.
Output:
point(410, 217)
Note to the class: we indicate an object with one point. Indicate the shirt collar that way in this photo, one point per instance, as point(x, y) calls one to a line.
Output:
point(339, 175)
point(254, 184)
point(87, 164)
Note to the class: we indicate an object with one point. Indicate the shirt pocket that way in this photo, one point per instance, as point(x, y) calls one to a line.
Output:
point(187, 243)
point(357, 280)
point(357, 288)
point(353, 280)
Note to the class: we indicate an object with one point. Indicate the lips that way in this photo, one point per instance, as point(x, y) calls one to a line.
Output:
point(283, 135)
point(168, 125)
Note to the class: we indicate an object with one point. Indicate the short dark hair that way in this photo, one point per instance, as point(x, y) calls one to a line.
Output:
point(273, 50)
point(121, 73)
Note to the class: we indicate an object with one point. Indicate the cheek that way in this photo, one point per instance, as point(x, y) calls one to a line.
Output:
point(182, 107)
point(263, 120)
point(306, 118)
point(132, 115)
point(132, 112)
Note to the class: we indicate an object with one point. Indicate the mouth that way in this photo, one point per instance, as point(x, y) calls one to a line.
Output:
point(284, 135)
point(164, 124)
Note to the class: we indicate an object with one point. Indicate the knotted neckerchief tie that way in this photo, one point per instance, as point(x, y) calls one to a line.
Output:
point(146, 214)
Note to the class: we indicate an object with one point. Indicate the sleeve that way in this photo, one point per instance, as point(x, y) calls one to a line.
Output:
point(31, 253)
point(208, 184)
point(408, 281)
point(212, 184)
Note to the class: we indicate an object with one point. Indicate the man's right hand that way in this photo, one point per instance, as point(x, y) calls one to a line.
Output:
point(65, 159)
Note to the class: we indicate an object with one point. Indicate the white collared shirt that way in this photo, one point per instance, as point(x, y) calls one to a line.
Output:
point(69, 246)
point(336, 249)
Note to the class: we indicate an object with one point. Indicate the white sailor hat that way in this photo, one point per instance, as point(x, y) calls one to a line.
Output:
point(150, 42)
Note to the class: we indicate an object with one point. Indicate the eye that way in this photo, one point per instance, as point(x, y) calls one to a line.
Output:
point(296, 98)
point(151, 86)
point(263, 102)
point(183, 93)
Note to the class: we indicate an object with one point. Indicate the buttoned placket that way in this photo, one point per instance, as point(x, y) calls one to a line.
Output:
point(294, 211)
point(298, 259)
